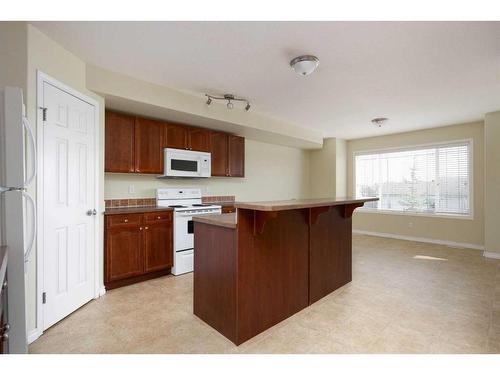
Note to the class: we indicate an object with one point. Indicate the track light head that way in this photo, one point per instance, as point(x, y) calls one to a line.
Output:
point(209, 100)
point(247, 107)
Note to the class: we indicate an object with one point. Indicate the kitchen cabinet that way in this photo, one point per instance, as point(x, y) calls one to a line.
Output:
point(187, 138)
point(135, 145)
point(148, 146)
point(119, 143)
point(236, 156)
point(228, 209)
point(138, 247)
point(228, 155)
point(199, 139)
point(176, 136)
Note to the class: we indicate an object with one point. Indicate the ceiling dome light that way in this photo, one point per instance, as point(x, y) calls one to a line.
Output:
point(305, 64)
point(379, 121)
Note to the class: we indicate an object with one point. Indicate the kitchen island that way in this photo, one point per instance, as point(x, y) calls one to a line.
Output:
point(269, 260)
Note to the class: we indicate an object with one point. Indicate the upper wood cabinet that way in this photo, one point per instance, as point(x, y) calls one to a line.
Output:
point(199, 139)
point(220, 153)
point(148, 146)
point(135, 145)
point(176, 136)
point(228, 155)
point(119, 143)
point(236, 156)
point(187, 138)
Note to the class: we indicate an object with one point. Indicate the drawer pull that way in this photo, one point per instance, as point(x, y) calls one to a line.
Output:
point(140, 228)
point(146, 228)
point(126, 220)
point(159, 217)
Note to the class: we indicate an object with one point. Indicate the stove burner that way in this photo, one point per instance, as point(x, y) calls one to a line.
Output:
point(177, 206)
point(200, 205)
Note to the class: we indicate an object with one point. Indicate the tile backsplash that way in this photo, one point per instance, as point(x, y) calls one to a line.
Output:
point(146, 202)
point(138, 202)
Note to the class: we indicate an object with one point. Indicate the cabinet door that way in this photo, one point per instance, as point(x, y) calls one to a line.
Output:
point(236, 156)
point(177, 136)
point(119, 143)
point(148, 146)
point(124, 252)
point(199, 140)
point(158, 246)
point(219, 149)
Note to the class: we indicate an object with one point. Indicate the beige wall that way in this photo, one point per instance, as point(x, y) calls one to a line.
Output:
point(444, 229)
point(492, 183)
point(327, 174)
point(271, 172)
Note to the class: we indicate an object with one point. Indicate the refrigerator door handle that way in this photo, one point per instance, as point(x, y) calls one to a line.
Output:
point(29, 249)
point(27, 127)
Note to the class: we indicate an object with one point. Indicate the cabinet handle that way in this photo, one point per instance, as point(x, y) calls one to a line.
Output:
point(159, 217)
point(146, 228)
point(140, 228)
point(126, 220)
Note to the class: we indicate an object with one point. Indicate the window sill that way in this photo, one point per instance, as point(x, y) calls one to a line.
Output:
point(417, 214)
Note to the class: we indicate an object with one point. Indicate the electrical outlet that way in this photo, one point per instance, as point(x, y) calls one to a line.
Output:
point(131, 189)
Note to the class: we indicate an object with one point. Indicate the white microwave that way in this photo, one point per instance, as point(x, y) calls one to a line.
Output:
point(185, 163)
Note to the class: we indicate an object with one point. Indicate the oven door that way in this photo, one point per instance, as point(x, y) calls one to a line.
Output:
point(184, 229)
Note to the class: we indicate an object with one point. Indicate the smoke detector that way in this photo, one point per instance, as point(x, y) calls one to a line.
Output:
point(379, 121)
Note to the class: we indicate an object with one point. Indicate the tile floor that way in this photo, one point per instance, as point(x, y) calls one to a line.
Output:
point(405, 297)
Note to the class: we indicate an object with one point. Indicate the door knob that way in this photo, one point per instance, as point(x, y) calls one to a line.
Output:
point(92, 212)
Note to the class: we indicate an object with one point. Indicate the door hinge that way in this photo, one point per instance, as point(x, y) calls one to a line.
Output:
point(44, 113)
point(44, 297)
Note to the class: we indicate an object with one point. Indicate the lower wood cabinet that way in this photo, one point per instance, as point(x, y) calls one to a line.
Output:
point(137, 247)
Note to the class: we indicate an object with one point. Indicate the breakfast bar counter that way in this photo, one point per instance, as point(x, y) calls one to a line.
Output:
point(269, 260)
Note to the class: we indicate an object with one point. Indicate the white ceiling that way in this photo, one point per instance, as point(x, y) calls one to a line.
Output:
point(418, 74)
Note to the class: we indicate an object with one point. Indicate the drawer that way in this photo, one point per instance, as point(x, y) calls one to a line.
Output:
point(125, 219)
point(228, 209)
point(152, 217)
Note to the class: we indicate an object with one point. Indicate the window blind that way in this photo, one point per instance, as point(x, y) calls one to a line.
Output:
point(432, 180)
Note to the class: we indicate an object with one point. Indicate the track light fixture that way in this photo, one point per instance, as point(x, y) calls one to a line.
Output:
point(230, 98)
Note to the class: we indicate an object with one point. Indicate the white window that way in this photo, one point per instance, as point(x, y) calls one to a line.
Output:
point(432, 179)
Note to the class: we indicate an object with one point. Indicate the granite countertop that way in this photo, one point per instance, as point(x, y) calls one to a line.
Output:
point(221, 220)
point(300, 203)
point(134, 210)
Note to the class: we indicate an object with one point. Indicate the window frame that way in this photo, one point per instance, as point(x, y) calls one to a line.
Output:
point(455, 142)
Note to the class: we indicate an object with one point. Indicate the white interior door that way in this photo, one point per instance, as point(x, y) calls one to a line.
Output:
point(69, 180)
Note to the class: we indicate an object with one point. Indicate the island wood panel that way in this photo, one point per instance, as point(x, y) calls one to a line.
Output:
point(330, 254)
point(148, 146)
point(214, 299)
point(273, 270)
point(119, 143)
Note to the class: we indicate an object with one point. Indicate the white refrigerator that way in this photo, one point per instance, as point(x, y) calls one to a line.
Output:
point(17, 209)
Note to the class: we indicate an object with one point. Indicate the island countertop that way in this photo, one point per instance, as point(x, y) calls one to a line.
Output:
point(300, 203)
point(221, 220)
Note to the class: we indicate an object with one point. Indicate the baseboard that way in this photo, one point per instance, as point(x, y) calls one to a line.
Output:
point(421, 239)
point(33, 335)
point(491, 254)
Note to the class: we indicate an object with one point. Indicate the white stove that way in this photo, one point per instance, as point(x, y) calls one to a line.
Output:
point(185, 203)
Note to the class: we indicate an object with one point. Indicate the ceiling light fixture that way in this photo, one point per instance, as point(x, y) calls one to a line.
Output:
point(230, 98)
point(379, 121)
point(305, 64)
